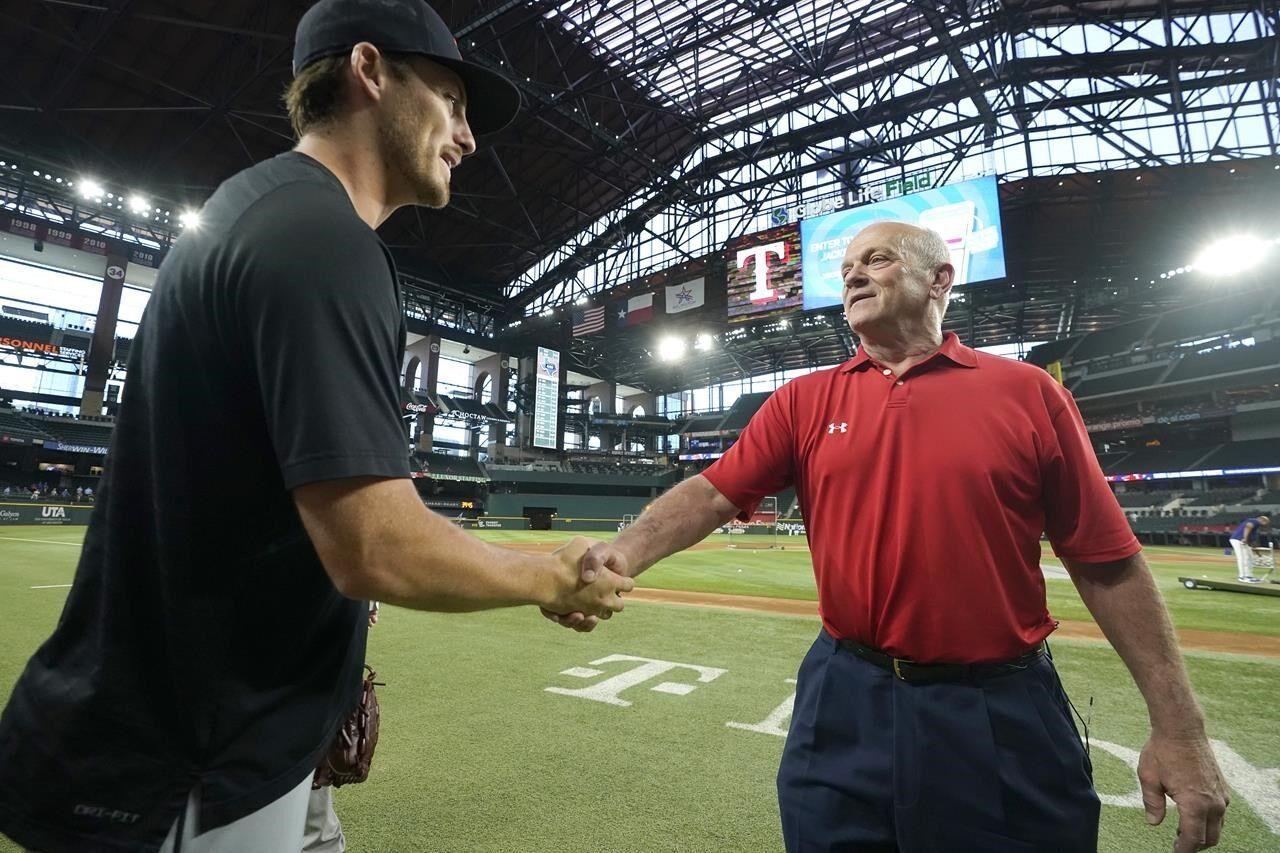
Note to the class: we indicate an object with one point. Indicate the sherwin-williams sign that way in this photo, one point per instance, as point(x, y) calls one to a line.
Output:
point(51, 514)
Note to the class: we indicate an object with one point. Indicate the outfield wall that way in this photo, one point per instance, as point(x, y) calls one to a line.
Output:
point(578, 508)
point(38, 513)
point(569, 525)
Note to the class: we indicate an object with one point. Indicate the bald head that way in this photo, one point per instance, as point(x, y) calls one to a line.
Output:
point(922, 249)
point(896, 275)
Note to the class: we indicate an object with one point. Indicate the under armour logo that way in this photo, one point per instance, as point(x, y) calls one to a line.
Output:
point(832, 429)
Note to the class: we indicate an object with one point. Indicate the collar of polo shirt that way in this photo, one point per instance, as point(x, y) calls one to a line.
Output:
point(951, 349)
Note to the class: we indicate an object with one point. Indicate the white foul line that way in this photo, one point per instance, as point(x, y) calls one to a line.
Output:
point(53, 586)
point(40, 541)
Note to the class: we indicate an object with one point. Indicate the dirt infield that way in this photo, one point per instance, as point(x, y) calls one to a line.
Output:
point(548, 547)
point(1205, 641)
point(798, 544)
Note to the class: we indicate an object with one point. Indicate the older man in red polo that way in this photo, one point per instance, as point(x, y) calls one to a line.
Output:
point(928, 714)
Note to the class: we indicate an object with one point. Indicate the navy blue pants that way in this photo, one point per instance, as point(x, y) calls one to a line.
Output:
point(873, 763)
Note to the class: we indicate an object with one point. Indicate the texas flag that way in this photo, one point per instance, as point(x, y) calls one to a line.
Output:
point(631, 312)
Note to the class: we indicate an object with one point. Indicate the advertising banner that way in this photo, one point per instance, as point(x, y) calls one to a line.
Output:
point(966, 215)
point(47, 514)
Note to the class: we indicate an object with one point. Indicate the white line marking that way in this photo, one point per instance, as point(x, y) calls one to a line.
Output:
point(40, 541)
point(674, 688)
point(53, 586)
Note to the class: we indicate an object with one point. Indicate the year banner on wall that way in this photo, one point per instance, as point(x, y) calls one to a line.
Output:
point(967, 215)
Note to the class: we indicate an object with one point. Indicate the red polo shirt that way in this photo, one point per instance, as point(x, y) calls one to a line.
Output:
point(925, 495)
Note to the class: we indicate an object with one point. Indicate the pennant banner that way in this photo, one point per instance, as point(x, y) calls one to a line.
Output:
point(686, 296)
point(640, 309)
point(630, 312)
point(588, 321)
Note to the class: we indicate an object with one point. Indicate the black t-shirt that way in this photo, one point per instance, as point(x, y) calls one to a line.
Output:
point(202, 644)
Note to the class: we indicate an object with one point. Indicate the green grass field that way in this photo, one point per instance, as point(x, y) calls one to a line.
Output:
point(477, 755)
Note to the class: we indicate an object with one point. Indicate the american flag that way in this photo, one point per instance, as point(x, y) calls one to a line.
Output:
point(588, 321)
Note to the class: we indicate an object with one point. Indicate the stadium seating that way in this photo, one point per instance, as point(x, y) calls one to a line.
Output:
point(1244, 454)
point(77, 432)
point(1222, 518)
point(1226, 361)
point(1141, 500)
point(447, 467)
point(743, 408)
point(1053, 351)
point(13, 327)
point(1158, 524)
point(1215, 497)
point(1112, 341)
point(615, 469)
point(1151, 459)
point(703, 423)
point(1132, 379)
point(1113, 461)
point(13, 424)
point(1200, 321)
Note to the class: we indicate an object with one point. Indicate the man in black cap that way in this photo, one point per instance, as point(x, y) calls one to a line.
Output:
point(164, 712)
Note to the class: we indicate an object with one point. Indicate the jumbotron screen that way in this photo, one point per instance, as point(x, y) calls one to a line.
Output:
point(967, 215)
point(764, 273)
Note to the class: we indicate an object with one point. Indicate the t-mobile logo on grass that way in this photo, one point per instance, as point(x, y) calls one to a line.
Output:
point(832, 429)
point(644, 669)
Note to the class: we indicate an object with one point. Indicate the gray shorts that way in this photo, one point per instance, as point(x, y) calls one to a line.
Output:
point(277, 827)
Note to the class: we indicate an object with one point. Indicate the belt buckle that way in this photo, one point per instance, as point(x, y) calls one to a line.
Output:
point(897, 670)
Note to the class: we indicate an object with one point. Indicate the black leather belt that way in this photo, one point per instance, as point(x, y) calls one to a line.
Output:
point(931, 673)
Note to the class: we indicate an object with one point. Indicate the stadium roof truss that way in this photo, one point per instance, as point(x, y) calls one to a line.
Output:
point(654, 131)
point(783, 103)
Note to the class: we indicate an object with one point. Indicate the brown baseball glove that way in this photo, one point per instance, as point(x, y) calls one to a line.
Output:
point(348, 760)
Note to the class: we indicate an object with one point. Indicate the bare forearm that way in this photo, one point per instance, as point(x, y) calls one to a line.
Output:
point(1126, 604)
point(682, 517)
point(400, 552)
point(436, 566)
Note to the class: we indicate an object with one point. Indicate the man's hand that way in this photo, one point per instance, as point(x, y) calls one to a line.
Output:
point(600, 557)
point(1184, 768)
point(596, 599)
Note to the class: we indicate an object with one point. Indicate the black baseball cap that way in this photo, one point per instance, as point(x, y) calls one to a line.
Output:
point(405, 26)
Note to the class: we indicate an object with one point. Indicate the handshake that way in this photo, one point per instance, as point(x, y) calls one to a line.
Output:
point(590, 578)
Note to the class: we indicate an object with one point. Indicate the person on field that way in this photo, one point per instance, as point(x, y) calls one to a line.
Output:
point(1247, 536)
point(928, 715)
point(165, 712)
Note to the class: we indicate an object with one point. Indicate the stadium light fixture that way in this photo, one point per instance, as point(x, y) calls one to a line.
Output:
point(704, 342)
point(1231, 255)
point(671, 348)
point(139, 205)
point(189, 219)
point(90, 188)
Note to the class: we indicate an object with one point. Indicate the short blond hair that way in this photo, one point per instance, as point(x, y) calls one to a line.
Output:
point(314, 97)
